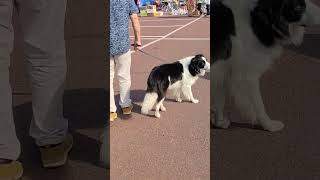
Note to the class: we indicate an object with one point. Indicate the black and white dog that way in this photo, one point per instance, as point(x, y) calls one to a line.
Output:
point(178, 77)
point(247, 37)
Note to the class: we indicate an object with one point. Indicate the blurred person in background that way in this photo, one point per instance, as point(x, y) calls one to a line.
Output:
point(207, 7)
point(191, 6)
point(199, 6)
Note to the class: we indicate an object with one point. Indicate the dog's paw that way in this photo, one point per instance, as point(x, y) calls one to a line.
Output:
point(196, 101)
point(157, 114)
point(162, 108)
point(224, 124)
point(179, 100)
point(273, 126)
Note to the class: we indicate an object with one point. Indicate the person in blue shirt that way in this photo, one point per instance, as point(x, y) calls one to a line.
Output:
point(121, 12)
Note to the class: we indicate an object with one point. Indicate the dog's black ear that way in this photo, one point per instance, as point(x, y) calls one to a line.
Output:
point(193, 68)
point(261, 23)
point(267, 21)
point(196, 64)
point(221, 44)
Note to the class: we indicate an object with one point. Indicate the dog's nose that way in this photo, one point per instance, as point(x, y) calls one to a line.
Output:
point(300, 9)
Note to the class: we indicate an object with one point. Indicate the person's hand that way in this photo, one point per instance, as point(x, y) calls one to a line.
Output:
point(137, 45)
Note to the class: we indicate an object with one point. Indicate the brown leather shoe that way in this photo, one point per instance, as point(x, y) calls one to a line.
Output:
point(127, 110)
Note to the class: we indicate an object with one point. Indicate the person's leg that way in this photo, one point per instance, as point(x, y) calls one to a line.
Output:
point(42, 23)
point(113, 107)
point(123, 65)
point(9, 143)
point(199, 8)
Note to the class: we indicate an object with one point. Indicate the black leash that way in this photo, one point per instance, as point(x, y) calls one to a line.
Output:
point(148, 54)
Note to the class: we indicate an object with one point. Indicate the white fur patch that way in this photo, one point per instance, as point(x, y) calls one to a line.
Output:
point(149, 101)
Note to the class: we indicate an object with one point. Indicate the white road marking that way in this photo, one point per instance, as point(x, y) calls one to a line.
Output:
point(148, 36)
point(172, 26)
point(170, 33)
point(176, 39)
point(168, 19)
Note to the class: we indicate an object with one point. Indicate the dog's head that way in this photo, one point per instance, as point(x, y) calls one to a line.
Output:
point(199, 65)
point(283, 20)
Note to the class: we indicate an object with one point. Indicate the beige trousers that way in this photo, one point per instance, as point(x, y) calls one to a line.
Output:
point(120, 65)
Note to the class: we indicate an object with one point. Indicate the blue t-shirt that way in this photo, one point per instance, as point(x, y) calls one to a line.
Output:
point(120, 11)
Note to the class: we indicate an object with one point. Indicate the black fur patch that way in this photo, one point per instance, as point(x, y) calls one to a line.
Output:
point(270, 19)
point(222, 28)
point(196, 64)
point(158, 79)
point(293, 10)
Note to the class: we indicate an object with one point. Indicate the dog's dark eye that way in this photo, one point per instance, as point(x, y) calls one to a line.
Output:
point(300, 9)
point(293, 10)
point(202, 64)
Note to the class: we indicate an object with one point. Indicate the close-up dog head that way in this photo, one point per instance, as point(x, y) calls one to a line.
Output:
point(283, 20)
point(199, 65)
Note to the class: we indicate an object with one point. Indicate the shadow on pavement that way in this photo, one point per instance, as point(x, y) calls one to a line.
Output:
point(137, 97)
point(86, 110)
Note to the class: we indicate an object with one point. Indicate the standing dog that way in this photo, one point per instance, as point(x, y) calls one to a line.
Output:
point(248, 35)
point(178, 77)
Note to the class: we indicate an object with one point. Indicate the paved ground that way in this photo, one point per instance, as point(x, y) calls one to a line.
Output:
point(291, 92)
point(176, 146)
point(85, 98)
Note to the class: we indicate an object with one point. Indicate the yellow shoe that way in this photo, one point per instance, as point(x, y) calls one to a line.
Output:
point(113, 116)
point(127, 110)
point(56, 155)
point(11, 171)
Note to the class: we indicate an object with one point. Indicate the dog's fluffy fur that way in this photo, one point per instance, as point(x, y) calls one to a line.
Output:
point(247, 36)
point(178, 77)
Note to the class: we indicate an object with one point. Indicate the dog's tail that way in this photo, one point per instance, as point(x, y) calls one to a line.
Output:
point(149, 101)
